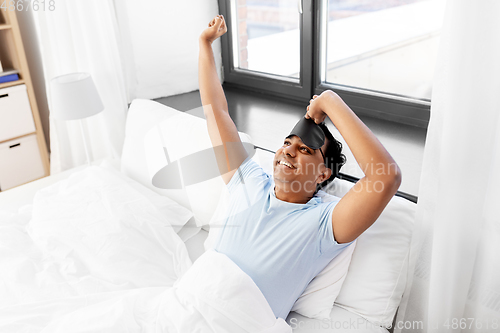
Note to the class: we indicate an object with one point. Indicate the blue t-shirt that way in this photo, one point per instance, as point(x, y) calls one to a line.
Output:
point(282, 246)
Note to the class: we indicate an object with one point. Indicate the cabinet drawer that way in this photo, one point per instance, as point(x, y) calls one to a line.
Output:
point(20, 162)
point(15, 113)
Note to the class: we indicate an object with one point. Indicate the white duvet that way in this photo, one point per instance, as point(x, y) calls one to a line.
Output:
point(95, 253)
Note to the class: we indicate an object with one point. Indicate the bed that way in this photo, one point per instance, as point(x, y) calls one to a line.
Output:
point(100, 249)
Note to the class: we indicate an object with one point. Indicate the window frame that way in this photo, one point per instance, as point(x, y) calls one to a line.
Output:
point(297, 89)
point(386, 106)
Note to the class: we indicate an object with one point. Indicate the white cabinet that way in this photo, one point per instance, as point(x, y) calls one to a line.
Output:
point(15, 113)
point(20, 162)
point(20, 159)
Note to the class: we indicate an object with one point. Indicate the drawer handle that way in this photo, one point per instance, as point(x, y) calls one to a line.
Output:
point(17, 144)
point(4, 95)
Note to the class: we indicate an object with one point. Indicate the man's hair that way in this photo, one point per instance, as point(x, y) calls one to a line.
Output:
point(334, 159)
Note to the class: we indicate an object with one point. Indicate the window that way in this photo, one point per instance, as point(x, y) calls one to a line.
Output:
point(268, 36)
point(378, 55)
point(268, 46)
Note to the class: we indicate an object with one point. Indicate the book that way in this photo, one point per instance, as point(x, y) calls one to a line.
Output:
point(9, 78)
point(9, 72)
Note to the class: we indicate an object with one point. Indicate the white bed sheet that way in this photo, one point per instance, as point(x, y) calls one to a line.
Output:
point(17, 197)
point(341, 320)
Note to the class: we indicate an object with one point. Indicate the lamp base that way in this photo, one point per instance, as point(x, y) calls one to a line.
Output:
point(84, 141)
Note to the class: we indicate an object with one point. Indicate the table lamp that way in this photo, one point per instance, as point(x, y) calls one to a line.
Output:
point(74, 97)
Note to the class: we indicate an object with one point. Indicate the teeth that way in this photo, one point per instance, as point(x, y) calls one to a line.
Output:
point(286, 164)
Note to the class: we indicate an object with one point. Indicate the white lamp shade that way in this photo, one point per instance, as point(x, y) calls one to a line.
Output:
point(74, 96)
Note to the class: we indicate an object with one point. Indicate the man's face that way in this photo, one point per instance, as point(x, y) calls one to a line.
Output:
point(298, 167)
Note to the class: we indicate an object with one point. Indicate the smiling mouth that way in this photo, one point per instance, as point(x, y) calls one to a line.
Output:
point(286, 164)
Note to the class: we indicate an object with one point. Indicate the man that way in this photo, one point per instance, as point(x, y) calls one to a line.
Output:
point(281, 234)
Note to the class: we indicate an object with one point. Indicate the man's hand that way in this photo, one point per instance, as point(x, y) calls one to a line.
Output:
point(363, 204)
point(317, 105)
point(216, 28)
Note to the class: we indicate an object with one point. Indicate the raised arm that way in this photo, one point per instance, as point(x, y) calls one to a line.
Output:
point(228, 148)
point(363, 204)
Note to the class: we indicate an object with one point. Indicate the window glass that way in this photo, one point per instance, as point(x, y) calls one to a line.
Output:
point(268, 36)
point(382, 45)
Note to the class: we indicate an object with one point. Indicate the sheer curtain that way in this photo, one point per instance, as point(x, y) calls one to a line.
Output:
point(454, 282)
point(82, 36)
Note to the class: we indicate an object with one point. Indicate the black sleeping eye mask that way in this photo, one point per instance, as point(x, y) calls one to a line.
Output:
point(309, 132)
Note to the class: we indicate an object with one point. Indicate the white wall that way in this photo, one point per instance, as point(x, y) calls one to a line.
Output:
point(160, 43)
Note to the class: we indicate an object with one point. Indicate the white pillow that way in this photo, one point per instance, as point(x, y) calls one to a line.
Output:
point(142, 116)
point(374, 285)
point(181, 134)
point(178, 215)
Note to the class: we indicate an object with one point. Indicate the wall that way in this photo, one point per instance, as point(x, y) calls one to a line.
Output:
point(160, 43)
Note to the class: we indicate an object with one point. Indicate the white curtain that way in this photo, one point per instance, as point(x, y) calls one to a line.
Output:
point(82, 36)
point(454, 283)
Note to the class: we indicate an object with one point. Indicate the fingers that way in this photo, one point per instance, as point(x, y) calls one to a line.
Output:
point(313, 98)
point(219, 23)
point(214, 20)
point(216, 28)
point(316, 120)
point(222, 24)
